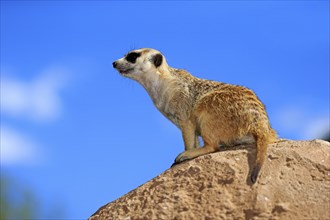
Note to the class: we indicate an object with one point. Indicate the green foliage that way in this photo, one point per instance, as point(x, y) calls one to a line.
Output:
point(16, 202)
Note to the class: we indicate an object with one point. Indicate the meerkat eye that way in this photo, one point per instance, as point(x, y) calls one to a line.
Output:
point(131, 57)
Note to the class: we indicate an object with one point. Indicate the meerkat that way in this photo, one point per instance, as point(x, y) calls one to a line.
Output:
point(220, 113)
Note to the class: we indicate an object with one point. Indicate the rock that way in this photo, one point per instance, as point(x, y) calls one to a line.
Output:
point(294, 184)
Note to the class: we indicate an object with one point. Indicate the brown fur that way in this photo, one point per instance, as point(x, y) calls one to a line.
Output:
point(220, 113)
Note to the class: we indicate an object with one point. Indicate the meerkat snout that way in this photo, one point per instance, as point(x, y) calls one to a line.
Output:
point(137, 64)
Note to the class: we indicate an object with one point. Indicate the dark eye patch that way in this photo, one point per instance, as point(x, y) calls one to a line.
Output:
point(131, 57)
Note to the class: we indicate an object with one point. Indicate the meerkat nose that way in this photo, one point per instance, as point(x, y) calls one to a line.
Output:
point(114, 64)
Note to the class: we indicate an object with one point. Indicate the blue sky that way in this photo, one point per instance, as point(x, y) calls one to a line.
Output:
point(80, 135)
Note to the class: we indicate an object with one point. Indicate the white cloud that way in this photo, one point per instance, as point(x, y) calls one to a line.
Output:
point(318, 128)
point(18, 149)
point(37, 99)
point(302, 122)
point(291, 118)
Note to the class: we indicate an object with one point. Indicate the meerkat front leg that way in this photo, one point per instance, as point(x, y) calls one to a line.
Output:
point(191, 143)
point(190, 140)
point(189, 134)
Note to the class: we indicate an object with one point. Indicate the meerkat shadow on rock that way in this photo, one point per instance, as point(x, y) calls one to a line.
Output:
point(219, 113)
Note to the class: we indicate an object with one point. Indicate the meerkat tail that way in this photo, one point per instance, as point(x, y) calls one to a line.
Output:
point(261, 154)
point(273, 136)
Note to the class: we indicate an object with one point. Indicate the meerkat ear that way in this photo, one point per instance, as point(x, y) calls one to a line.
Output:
point(157, 59)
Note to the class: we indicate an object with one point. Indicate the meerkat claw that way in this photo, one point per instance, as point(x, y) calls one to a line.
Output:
point(180, 160)
point(174, 164)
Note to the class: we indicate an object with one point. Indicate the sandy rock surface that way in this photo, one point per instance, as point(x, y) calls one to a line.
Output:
point(294, 184)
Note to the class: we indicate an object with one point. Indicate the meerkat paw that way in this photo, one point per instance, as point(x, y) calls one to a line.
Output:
point(193, 153)
point(184, 156)
point(189, 154)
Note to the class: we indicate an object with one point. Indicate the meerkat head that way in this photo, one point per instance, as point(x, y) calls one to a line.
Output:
point(137, 63)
